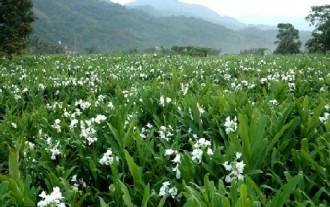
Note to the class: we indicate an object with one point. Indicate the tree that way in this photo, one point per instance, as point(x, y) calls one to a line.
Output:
point(288, 39)
point(16, 18)
point(319, 16)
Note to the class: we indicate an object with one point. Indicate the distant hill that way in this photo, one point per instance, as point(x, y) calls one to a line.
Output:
point(107, 26)
point(177, 8)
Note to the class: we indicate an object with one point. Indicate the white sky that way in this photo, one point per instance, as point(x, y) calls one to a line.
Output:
point(268, 12)
point(236, 8)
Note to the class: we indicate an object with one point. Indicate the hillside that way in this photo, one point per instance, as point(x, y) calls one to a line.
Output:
point(177, 8)
point(105, 26)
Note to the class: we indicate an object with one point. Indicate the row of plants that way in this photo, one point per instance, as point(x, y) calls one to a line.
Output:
point(146, 130)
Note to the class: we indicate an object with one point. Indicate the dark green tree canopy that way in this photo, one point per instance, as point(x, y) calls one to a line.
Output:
point(16, 17)
point(319, 16)
point(288, 39)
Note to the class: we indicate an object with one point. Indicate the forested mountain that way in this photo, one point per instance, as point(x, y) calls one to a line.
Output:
point(107, 26)
point(177, 8)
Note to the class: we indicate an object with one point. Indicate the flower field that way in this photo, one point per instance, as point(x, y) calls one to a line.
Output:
point(165, 131)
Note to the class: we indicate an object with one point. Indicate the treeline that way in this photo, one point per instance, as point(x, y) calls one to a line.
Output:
point(39, 46)
point(255, 51)
point(179, 50)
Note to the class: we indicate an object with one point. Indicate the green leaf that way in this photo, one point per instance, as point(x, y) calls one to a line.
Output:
point(126, 196)
point(243, 131)
point(251, 183)
point(289, 126)
point(134, 169)
point(309, 159)
point(282, 196)
point(103, 203)
point(14, 165)
point(162, 201)
point(146, 196)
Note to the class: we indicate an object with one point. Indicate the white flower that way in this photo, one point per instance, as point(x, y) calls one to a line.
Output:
point(162, 100)
point(177, 171)
point(238, 155)
point(202, 142)
point(108, 158)
point(73, 124)
point(274, 102)
point(166, 190)
point(209, 151)
point(292, 86)
point(263, 80)
point(200, 109)
point(240, 167)
point(173, 192)
point(177, 158)
point(235, 169)
point(110, 105)
point(227, 77)
point(14, 125)
point(324, 118)
point(227, 166)
point(197, 155)
point(55, 152)
point(99, 118)
point(184, 88)
point(231, 125)
point(53, 199)
point(327, 107)
point(57, 125)
point(149, 125)
point(169, 152)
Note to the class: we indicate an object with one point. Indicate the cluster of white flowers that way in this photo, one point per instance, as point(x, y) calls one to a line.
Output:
point(165, 132)
point(230, 124)
point(273, 102)
point(52, 148)
point(83, 104)
point(57, 125)
point(77, 182)
point(88, 131)
point(200, 109)
point(55, 151)
point(52, 200)
point(145, 131)
point(41, 86)
point(235, 168)
point(164, 100)
point(200, 145)
point(87, 128)
point(227, 77)
point(176, 160)
point(29, 147)
point(108, 158)
point(324, 118)
point(166, 189)
point(184, 88)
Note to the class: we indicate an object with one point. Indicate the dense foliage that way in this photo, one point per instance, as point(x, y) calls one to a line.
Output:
point(16, 18)
point(288, 39)
point(165, 131)
point(319, 16)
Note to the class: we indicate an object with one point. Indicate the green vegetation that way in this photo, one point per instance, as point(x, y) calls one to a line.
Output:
point(288, 39)
point(111, 27)
point(319, 17)
point(167, 130)
point(15, 25)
